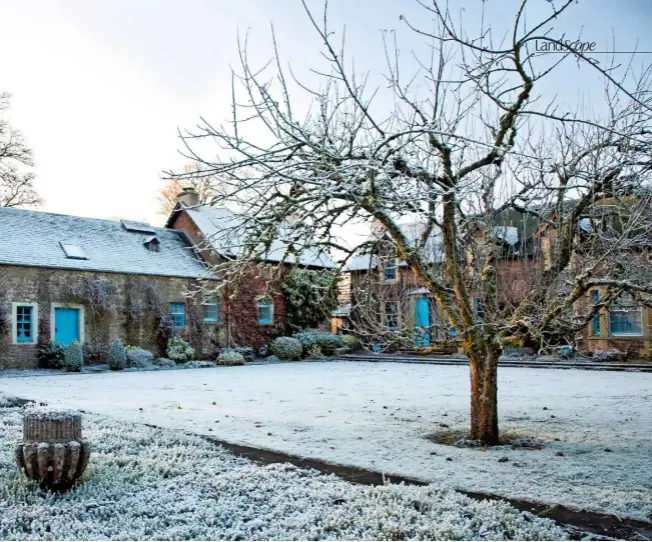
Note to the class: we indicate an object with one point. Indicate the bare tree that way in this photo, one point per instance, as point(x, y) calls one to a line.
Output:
point(16, 186)
point(467, 134)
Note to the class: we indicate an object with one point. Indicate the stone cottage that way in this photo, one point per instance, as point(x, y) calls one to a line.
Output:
point(66, 278)
point(251, 312)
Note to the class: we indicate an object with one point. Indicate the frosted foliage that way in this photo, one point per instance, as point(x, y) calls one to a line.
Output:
point(230, 358)
point(139, 357)
point(146, 484)
point(117, 356)
point(287, 348)
point(74, 357)
point(179, 350)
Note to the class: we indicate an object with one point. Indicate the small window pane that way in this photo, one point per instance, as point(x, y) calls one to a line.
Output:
point(24, 323)
point(625, 318)
point(264, 312)
point(595, 323)
point(211, 310)
point(391, 317)
point(178, 315)
point(389, 270)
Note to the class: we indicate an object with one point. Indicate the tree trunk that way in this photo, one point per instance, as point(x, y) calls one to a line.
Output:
point(484, 396)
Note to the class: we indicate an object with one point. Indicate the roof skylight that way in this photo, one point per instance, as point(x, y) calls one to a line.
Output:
point(74, 252)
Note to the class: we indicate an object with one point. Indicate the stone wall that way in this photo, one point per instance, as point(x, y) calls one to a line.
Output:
point(133, 308)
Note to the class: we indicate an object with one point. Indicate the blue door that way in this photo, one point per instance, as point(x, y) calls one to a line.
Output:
point(66, 325)
point(422, 321)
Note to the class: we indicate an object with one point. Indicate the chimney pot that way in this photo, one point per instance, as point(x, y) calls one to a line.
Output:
point(188, 196)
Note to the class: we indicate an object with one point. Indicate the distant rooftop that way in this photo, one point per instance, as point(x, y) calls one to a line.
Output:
point(37, 239)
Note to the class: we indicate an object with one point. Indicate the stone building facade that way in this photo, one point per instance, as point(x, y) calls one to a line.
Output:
point(65, 278)
point(251, 308)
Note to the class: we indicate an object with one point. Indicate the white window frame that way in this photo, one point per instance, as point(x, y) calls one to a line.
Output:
point(208, 302)
point(390, 263)
point(82, 319)
point(14, 323)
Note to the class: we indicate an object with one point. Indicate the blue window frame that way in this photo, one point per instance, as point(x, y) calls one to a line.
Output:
point(389, 270)
point(595, 322)
point(178, 315)
point(625, 318)
point(265, 311)
point(211, 309)
point(24, 324)
point(391, 315)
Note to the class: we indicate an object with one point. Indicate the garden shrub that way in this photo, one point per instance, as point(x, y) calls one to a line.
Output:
point(165, 362)
point(287, 348)
point(247, 352)
point(272, 359)
point(139, 357)
point(179, 350)
point(350, 341)
point(315, 352)
point(198, 364)
point(74, 357)
point(117, 356)
point(327, 342)
point(310, 297)
point(51, 355)
point(230, 358)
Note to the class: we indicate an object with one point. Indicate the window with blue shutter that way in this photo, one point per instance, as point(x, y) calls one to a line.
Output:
point(24, 324)
point(211, 310)
point(178, 315)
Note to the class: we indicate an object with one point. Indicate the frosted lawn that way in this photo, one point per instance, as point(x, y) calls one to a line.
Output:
point(377, 415)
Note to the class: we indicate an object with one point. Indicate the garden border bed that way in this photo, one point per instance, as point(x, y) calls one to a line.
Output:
point(580, 521)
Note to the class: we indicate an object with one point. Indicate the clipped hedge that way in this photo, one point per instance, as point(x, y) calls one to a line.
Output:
point(327, 342)
point(287, 348)
point(139, 357)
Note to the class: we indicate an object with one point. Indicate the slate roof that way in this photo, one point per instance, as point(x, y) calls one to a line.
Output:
point(33, 239)
point(214, 223)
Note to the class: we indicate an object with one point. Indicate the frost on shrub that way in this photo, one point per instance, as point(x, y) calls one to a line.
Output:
point(315, 352)
point(230, 358)
point(602, 356)
point(198, 364)
point(247, 352)
point(117, 356)
point(327, 342)
point(165, 362)
point(272, 359)
point(179, 350)
point(74, 357)
point(51, 355)
point(350, 341)
point(287, 348)
point(139, 357)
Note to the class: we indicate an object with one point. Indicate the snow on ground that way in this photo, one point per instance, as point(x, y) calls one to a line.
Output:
point(377, 415)
point(145, 483)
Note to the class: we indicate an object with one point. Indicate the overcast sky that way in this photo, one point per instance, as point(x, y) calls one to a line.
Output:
point(100, 86)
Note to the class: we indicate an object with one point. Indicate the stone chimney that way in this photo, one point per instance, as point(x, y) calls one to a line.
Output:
point(188, 196)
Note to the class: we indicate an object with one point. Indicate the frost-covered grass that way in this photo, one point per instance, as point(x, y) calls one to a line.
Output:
point(334, 411)
point(144, 483)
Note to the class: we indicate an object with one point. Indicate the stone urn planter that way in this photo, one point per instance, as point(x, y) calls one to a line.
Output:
point(53, 450)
